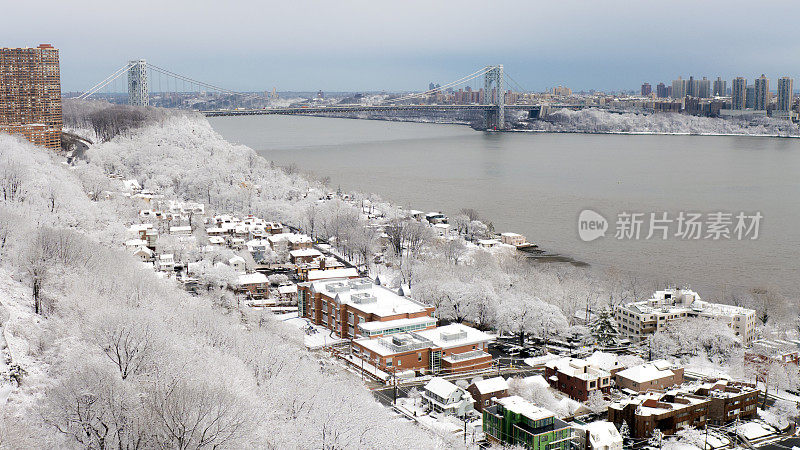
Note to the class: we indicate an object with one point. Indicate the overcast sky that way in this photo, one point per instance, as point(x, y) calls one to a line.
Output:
point(403, 45)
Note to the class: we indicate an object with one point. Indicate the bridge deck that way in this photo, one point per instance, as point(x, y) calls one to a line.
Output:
point(359, 108)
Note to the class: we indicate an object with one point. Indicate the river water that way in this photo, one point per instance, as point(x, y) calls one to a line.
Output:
point(537, 184)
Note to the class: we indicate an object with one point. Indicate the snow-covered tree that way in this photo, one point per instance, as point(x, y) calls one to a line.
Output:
point(604, 328)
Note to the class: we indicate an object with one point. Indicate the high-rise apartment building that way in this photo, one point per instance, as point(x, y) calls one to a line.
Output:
point(750, 97)
point(678, 88)
point(739, 93)
point(646, 89)
point(785, 94)
point(720, 87)
point(761, 97)
point(692, 87)
point(30, 94)
point(704, 88)
point(661, 91)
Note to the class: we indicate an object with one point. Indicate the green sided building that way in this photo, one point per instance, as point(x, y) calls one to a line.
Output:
point(516, 421)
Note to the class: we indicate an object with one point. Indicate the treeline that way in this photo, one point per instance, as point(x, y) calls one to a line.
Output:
point(108, 120)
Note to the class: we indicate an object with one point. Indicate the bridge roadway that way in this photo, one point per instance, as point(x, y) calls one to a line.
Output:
point(368, 108)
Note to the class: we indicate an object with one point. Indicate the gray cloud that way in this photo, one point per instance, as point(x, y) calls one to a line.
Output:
point(360, 45)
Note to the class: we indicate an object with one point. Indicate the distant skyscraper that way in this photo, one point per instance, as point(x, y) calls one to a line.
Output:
point(678, 88)
point(30, 94)
point(661, 91)
point(761, 93)
point(646, 89)
point(785, 94)
point(138, 92)
point(739, 93)
point(692, 87)
point(704, 88)
point(720, 88)
point(761, 99)
point(750, 97)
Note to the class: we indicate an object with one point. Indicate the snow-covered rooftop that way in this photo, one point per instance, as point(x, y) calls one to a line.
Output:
point(363, 295)
point(441, 387)
point(252, 278)
point(577, 368)
point(519, 405)
point(304, 252)
point(647, 372)
point(491, 385)
point(455, 335)
point(603, 434)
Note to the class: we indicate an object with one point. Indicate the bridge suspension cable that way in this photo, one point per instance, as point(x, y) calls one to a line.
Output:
point(106, 81)
point(521, 89)
point(192, 81)
point(463, 79)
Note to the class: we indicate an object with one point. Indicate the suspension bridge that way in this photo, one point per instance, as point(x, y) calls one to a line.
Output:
point(144, 80)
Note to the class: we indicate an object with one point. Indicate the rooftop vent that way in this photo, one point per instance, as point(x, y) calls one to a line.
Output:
point(363, 298)
point(337, 287)
point(360, 284)
point(400, 340)
point(448, 336)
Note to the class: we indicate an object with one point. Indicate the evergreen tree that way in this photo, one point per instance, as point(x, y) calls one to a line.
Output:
point(604, 328)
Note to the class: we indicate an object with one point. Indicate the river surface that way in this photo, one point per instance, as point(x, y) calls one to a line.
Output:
point(537, 184)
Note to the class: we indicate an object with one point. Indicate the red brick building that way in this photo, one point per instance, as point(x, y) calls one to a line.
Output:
point(484, 391)
point(450, 349)
point(576, 378)
point(729, 401)
point(652, 376)
point(669, 412)
point(341, 305)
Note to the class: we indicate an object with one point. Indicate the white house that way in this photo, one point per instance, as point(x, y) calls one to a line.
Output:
point(181, 230)
point(238, 264)
point(143, 253)
point(166, 262)
point(600, 435)
point(445, 397)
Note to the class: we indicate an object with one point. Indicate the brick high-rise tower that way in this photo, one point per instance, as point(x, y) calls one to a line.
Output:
point(30, 94)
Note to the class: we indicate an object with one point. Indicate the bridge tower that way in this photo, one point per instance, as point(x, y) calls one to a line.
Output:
point(138, 92)
point(495, 119)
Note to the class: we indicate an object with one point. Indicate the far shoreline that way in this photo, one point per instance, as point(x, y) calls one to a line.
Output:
point(523, 130)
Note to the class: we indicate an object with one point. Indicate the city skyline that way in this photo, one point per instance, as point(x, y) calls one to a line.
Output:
point(402, 47)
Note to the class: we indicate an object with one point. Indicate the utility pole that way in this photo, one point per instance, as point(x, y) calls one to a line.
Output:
point(394, 381)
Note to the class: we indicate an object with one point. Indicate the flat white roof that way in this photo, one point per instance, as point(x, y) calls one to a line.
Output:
point(460, 335)
point(382, 301)
point(519, 405)
point(345, 272)
point(305, 252)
